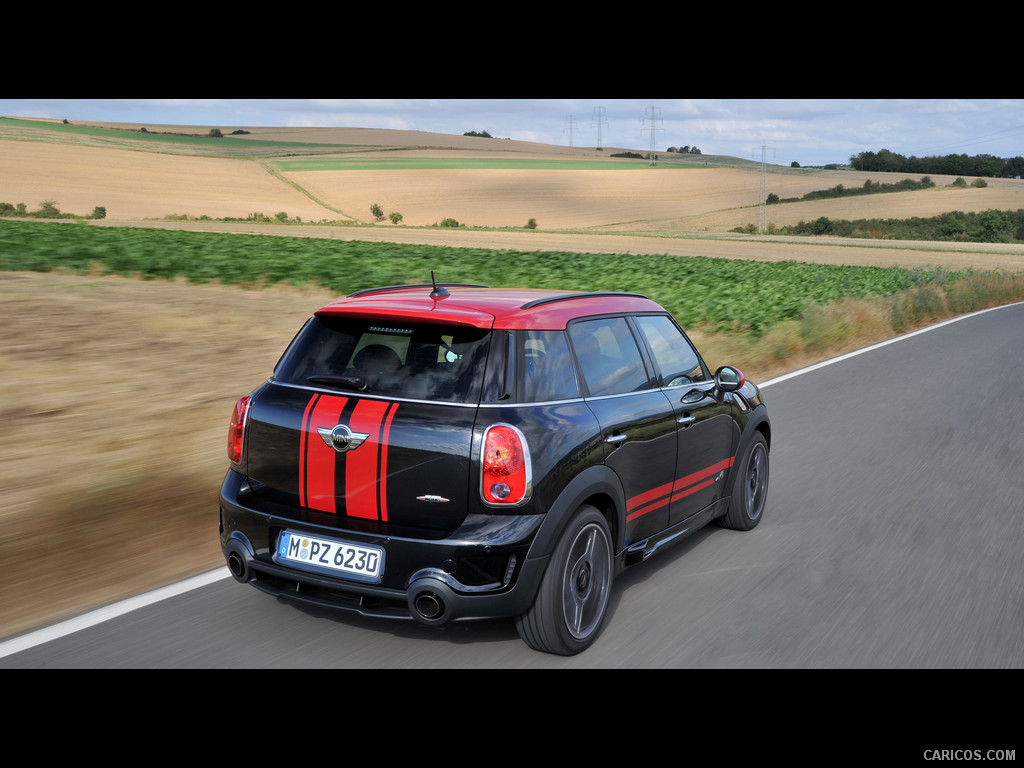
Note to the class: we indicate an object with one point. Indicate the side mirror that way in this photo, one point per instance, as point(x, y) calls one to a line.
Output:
point(729, 379)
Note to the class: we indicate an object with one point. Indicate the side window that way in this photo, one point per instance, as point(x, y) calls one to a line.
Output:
point(608, 356)
point(548, 372)
point(674, 355)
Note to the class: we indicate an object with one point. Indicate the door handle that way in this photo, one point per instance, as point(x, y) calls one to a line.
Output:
point(686, 420)
point(615, 440)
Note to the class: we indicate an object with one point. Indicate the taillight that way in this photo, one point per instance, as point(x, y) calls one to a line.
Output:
point(505, 466)
point(236, 431)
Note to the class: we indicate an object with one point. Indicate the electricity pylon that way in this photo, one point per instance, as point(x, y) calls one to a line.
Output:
point(599, 120)
point(571, 119)
point(762, 214)
point(654, 111)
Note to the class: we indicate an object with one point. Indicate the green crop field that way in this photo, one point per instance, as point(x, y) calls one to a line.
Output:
point(717, 294)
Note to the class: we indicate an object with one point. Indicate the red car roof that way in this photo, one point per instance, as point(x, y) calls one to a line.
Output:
point(480, 307)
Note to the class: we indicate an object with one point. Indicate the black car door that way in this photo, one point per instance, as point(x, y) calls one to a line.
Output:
point(637, 421)
point(706, 427)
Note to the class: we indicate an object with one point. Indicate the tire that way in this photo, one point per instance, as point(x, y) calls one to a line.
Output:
point(572, 600)
point(750, 490)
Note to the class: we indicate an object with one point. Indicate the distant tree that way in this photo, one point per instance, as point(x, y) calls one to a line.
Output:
point(794, 164)
point(1014, 167)
point(395, 217)
point(483, 134)
point(99, 212)
point(216, 134)
point(531, 224)
point(48, 210)
point(377, 212)
point(821, 226)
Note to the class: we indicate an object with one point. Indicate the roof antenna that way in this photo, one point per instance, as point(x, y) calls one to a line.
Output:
point(439, 292)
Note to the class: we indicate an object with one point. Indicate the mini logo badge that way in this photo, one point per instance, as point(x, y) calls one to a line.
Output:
point(341, 438)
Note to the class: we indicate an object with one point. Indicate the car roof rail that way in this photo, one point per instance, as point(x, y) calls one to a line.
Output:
point(587, 295)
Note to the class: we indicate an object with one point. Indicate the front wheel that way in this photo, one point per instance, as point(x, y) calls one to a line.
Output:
point(750, 490)
point(573, 596)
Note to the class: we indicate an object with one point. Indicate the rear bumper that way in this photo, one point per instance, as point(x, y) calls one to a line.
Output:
point(482, 570)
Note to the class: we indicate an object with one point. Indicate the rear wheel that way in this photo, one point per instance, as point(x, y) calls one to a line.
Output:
point(750, 489)
point(573, 596)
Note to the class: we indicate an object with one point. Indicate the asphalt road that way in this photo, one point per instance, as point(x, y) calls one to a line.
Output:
point(892, 539)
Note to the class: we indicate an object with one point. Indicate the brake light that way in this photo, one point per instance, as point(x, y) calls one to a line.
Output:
point(236, 431)
point(505, 466)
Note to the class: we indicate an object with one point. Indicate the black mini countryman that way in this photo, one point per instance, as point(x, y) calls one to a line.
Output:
point(445, 453)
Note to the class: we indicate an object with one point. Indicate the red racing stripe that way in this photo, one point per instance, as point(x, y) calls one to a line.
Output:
point(385, 442)
point(317, 460)
point(303, 435)
point(363, 464)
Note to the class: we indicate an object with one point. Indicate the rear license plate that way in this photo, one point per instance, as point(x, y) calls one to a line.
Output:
point(330, 556)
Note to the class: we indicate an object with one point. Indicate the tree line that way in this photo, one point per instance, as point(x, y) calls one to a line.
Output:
point(952, 165)
point(989, 226)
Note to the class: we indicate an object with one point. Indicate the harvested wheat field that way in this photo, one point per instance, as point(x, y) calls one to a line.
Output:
point(134, 381)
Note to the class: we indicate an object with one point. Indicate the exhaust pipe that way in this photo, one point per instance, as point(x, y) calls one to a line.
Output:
point(430, 602)
point(238, 557)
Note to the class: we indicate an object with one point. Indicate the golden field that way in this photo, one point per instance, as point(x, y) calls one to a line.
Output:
point(117, 393)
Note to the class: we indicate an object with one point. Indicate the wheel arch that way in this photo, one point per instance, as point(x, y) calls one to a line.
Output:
point(758, 423)
point(597, 486)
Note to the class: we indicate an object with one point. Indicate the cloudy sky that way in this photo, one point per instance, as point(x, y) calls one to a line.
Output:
point(806, 131)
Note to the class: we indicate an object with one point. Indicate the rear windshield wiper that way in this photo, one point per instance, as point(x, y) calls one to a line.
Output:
point(341, 382)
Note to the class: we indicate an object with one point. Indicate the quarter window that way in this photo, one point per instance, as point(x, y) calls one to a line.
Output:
point(547, 367)
point(608, 356)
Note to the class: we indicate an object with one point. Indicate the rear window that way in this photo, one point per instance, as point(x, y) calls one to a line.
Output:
point(420, 361)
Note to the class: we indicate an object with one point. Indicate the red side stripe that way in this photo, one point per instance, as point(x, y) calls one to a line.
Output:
point(646, 496)
point(649, 508)
point(680, 489)
point(683, 482)
point(693, 489)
